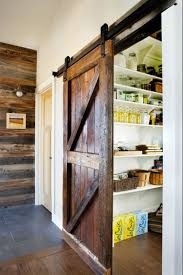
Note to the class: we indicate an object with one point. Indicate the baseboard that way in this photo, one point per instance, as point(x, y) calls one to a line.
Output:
point(56, 220)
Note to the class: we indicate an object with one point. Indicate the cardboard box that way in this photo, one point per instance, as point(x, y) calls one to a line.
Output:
point(142, 222)
point(129, 225)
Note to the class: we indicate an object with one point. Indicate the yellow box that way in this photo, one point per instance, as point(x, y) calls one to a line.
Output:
point(129, 226)
point(118, 229)
point(124, 227)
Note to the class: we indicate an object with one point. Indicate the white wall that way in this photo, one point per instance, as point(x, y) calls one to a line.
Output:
point(76, 23)
point(172, 195)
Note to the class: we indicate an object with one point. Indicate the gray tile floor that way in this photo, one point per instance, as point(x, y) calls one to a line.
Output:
point(25, 230)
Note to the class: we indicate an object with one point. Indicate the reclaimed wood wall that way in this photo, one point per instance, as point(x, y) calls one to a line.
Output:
point(17, 68)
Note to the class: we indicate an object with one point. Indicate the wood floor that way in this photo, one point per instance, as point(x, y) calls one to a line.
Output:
point(137, 256)
point(60, 260)
point(141, 255)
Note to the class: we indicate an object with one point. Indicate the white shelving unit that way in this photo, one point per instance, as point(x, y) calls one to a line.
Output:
point(148, 52)
point(138, 189)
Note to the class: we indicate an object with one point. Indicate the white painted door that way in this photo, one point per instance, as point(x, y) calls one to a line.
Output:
point(47, 128)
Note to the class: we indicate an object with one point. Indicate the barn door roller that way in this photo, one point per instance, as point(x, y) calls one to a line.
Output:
point(104, 37)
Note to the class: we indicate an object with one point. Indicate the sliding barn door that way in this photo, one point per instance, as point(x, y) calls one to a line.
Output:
point(88, 101)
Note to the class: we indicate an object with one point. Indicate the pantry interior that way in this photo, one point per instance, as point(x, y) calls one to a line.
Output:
point(138, 156)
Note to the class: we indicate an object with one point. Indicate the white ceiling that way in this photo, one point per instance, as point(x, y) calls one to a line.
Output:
point(24, 22)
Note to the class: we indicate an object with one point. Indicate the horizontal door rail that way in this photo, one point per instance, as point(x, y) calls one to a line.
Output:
point(137, 13)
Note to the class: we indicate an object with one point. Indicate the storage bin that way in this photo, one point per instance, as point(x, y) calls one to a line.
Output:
point(125, 184)
point(156, 177)
point(143, 177)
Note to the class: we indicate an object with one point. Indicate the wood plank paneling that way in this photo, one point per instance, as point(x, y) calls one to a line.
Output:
point(17, 69)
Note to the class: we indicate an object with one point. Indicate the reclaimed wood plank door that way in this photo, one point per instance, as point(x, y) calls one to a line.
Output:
point(88, 160)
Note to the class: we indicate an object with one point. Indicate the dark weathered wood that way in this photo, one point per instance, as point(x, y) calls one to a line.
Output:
point(84, 112)
point(90, 193)
point(17, 69)
point(137, 32)
point(84, 159)
point(16, 160)
point(85, 255)
point(17, 199)
point(87, 125)
point(105, 153)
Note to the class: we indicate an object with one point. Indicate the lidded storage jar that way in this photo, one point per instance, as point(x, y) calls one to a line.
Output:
point(132, 61)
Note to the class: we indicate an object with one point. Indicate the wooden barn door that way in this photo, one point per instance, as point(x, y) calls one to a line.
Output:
point(88, 193)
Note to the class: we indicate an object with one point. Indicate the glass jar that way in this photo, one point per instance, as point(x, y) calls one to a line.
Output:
point(115, 115)
point(120, 60)
point(132, 61)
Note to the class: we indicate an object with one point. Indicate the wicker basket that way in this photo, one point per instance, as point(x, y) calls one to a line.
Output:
point(156, 177)
point(143, 176)
point(125, 184)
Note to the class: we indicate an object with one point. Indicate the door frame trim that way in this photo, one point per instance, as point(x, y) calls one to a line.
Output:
point(40, 90)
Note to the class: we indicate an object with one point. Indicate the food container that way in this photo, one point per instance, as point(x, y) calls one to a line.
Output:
point(132, 61)
point(130, 97)
point(121, 95)
point(145, 100)
point(143, 176)
point(153, 117)
point(125, 184)
point(146, 86)
point(145, 118)
point(157, 86)
point(156, 177)
point(141, 68)
point(120, 60)
point(151, 70)
point(139, 98)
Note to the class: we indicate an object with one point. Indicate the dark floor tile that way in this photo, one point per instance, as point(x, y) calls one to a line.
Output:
point(6, 252)
point(6, 239)
point(28, 233)
point(26, 229)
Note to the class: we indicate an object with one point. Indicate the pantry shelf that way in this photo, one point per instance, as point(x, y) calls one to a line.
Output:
point(127, 73)
point(138, 189)
point(138, 90)
point(136, 106)
point(137, 125)
point(140, 156)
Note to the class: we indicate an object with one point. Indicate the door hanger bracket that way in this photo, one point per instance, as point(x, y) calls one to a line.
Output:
point(67, 61)
point(104, 36)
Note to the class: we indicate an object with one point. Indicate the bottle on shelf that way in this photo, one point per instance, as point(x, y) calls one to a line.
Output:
point(132, 61)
